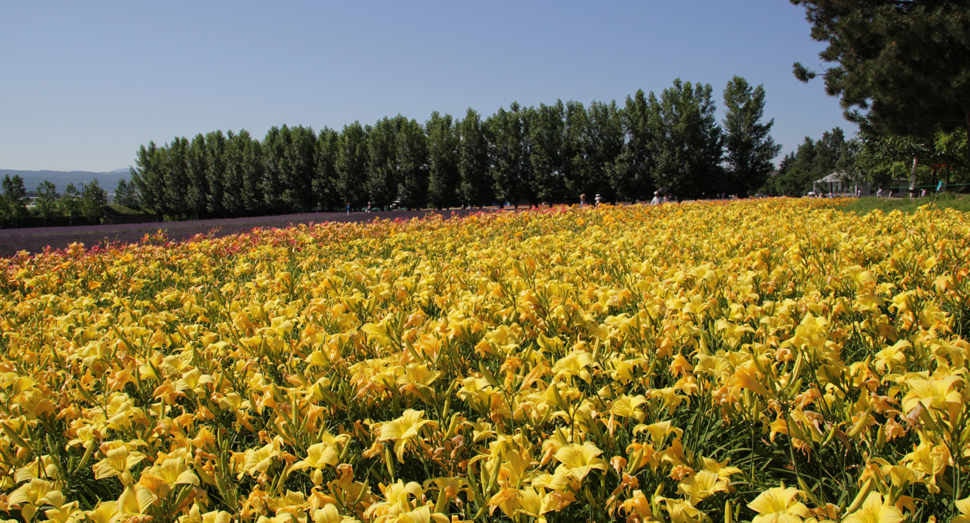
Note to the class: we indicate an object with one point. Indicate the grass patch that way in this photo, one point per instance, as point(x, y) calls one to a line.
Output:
point(863, 206)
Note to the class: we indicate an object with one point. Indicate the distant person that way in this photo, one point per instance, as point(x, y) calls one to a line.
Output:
point(582, 200)
point(939, 186)
point(922, 193)
point(348, 208)
point(879, 192)
point(598, 200)
point(656, 198)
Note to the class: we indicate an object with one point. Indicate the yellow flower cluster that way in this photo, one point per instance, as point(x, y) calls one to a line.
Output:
point(767, 361)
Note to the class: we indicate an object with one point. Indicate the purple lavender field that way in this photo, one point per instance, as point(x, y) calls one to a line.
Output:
point(37, 239)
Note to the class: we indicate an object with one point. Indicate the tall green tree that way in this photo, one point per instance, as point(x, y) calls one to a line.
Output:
point(148, 176)
point(325, 175)
point(47, 200)
point(747, 138)
point(70, 203)
point(796, 172)
point(506, 138)
point(14, 206)
point(252, 197)
point(176, 176)
point(899, 67)
point(127, 194)
point(382, 176)
point(832, 153)
point(686, 141)
point(198, 193)
point(275, 162)
point(605, 144)
point(93, 200)
point(592, 145)
point(952, 161)
point(297, 172)
point(922, 160)
point(215, 173)
point(234, 168)
point(634, 167)
point(883, 159)
point(442, 161)
point(475, 188)
point(578, 175)
point(547, 136)
point(813, 160)
point(412, 164)
point(352, 156)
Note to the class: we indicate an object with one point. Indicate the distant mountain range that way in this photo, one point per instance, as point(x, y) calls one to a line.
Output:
point(108, 181)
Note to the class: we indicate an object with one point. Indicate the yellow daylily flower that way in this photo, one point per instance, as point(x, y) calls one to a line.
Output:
point(166, 473)
point(418, 374)
point(66, 513)
point(893, 357)
point(873, 510)
point(284, 517)
point(196, 515)
point(397, 499)
point(778, 505)
point(239, 407)
point(747, 379)
point(682, 511)
point(422, 514)
point(32, 495)
point(702, 485)
point(261, 459)
point(193, 380)
point(720, 468)
point(319, 455)
point(731, 332)
point(405, 429)
point(118, 461)
point(41, 468)
point(639, 506)
point(328, 514)
point(574, 364)
point(135, 500)
point(659, 431)
point(104, 512)
point(580, 460)
point(535, 503)
point(935, 394)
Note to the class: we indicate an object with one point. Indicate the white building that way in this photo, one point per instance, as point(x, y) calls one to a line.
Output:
point(840, 184)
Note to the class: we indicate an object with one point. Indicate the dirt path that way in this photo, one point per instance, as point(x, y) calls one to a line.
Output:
point(36, 239)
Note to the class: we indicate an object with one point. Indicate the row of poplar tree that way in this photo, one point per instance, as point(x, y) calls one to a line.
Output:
point(551, 153)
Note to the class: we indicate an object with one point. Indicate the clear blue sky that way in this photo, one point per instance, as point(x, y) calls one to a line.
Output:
point(84, 84)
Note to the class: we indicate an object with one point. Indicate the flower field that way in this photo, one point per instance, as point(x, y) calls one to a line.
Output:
point(763, 361)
